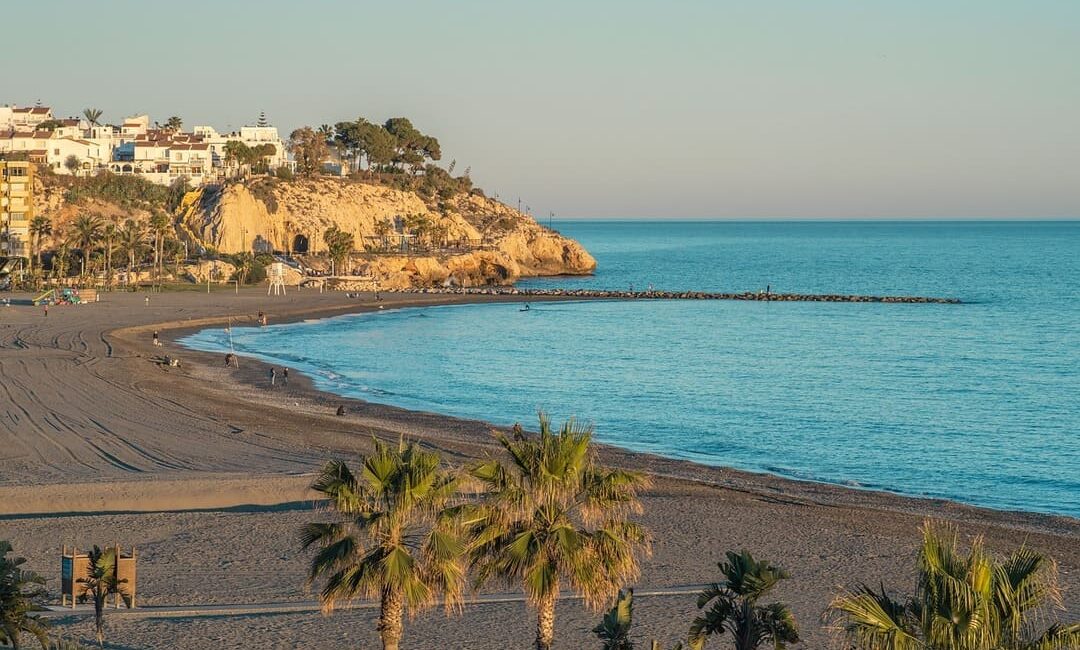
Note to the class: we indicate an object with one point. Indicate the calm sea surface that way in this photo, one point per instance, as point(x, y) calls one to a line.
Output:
point(978, 402)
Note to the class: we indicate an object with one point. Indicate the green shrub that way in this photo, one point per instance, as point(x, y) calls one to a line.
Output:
point(128, 191)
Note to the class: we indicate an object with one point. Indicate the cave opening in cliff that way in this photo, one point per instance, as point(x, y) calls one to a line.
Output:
point(300, 244)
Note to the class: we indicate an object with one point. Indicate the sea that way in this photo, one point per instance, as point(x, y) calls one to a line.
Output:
point(976, 402)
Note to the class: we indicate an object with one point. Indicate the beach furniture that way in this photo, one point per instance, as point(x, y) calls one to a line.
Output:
point(47, 298)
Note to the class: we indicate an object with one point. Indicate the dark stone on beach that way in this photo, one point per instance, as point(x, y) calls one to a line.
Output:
point(683, 295)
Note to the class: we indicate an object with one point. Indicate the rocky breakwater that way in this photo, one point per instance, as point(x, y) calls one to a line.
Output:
point(464, 241)
point(683, 295)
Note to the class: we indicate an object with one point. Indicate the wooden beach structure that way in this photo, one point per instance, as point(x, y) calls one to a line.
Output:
point(75, 566)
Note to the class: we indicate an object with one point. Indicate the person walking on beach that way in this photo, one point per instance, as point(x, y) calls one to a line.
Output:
point(157, 341)
point(284, 376)
point(46, 310)
point(273, 376)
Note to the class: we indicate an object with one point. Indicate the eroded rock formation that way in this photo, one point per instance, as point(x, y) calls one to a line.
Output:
point(498, 244)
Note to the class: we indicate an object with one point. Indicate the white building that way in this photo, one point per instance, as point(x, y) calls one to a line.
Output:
point(252, 136)
point(25, 117)
point(133, 147)
point(91, 155)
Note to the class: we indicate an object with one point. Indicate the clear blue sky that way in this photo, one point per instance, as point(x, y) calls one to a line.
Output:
point(620, 108)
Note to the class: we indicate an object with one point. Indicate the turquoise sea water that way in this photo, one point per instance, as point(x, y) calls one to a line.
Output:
point(978, 402)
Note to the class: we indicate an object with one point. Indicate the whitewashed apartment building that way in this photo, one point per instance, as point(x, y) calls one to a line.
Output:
point(133, 147)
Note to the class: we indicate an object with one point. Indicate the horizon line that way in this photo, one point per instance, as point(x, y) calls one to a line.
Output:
point(780, 219)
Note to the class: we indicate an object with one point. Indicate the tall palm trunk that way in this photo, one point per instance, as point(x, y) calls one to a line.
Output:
point(391, 618)
point(108, 264)
point(99, 618)
point(545, 622)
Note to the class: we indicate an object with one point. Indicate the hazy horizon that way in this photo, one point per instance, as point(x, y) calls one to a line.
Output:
point(675, 110)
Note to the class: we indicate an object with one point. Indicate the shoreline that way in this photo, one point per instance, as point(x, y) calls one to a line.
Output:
point(302, 386)
point(680, 468)
point(203, 466)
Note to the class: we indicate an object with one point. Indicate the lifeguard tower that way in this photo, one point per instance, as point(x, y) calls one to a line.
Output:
point(277, 279)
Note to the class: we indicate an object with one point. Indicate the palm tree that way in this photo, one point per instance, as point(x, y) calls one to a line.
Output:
point(60, 260)
point(553, 517)
point(961, 602)
point(245, 264)
point(159, 226)
point(100, 581)
point(131, 240)
point(109, 234)
point(21, 593)
point(735, 606)
point(87, 233)
point(614, 630)
point(327, 132)
point(93, 115)
point(393, 540)
point(174, 123)
point(40, 226)
point(383, 228)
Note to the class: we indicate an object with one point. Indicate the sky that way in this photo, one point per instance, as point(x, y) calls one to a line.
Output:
point(619, 108)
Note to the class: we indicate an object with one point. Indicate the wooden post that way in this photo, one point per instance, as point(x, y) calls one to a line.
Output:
point(133, 563)
point(116, 572)
point(74, 589)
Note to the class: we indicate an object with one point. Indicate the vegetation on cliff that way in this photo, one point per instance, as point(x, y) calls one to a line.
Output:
point(382, 209)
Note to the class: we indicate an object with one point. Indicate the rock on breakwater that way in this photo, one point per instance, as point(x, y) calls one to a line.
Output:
point(681, 295)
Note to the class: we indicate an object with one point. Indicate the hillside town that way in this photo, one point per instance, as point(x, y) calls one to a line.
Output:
point(358, 203)
point(160, 153)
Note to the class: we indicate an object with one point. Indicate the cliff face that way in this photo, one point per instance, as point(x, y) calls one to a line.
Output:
point(295, 216)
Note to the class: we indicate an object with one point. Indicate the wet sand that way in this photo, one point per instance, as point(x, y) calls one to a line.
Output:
point(202, 468)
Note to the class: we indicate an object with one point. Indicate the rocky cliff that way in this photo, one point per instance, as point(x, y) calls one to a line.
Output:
point(481, 241)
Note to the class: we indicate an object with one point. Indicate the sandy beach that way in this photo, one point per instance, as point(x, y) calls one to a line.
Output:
point(204, 470)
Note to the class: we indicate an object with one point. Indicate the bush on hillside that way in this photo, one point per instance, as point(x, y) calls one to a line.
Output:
point(128, 191)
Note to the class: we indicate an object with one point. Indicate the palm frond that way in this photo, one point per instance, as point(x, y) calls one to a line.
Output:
point(873, 621)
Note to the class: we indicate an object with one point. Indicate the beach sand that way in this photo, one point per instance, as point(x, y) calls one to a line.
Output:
point(204, 470)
